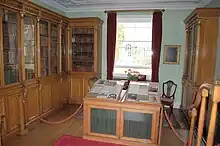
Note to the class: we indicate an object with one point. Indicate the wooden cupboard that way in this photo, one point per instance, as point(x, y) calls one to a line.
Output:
point(85, 55)
point(39, 70)
point(128, 123)
point(202, 27)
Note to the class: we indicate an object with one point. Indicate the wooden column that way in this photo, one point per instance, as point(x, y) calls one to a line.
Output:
point(38, 62)
point(192, 125)
point(202, 117)
point(38, 46)
point(21, 45)
point(212, 123)
point(69, 50)
point(22, 76)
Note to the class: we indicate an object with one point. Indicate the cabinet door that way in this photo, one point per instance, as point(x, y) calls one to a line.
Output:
point(138, 125)
point(44, 45)
point(103, 121)
point(53, 49)
point(193, 54)
point(83, 49)
point(76, 90)
point(10, 47)
point(29, 48)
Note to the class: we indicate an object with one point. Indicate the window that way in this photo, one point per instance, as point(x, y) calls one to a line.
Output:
point(133, 45)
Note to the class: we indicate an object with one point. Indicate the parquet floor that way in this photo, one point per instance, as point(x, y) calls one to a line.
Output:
point(41, 134)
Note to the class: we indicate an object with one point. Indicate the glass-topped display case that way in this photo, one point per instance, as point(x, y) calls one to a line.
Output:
point(29, 47)
point(136, 92)
point(44, 64)
point(54, 49)
point(10, 46)
point(83, 49)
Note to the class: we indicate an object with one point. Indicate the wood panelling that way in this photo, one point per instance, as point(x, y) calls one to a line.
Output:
point(32, 109)
point(13, 111)
point(46, 97)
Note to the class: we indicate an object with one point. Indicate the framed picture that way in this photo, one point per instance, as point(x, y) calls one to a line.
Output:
point(171, 54)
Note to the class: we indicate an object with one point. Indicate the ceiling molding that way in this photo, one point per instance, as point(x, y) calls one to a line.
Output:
point(100, 5)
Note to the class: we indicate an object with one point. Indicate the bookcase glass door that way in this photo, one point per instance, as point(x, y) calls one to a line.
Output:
point(10, 46)
point(44, 64)
point(63, 48)
point(29, 47)
point(137, 125)
point(103, 121)
point(54, 49)
point(83, 49)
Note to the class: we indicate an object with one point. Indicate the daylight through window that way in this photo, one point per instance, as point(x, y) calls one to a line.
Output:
point(133, 45)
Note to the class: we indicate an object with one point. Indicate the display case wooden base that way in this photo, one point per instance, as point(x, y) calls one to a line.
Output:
point(128, 123)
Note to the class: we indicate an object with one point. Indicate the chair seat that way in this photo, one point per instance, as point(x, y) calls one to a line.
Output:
point(166, 101)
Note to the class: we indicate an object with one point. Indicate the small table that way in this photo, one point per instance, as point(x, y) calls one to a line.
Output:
point(133, 118)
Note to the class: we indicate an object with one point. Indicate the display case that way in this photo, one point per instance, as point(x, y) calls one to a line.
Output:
point(121, 120)
point(10, 46)
point(29, 47)
point(44, 48)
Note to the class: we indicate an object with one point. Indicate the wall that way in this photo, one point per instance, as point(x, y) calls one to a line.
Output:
point(173, 34)
point(213, 3)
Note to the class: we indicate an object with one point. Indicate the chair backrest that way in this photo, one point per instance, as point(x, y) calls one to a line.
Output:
point(170, 90)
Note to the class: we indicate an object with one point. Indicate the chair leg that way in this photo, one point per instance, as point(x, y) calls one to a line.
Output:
point(171, 109)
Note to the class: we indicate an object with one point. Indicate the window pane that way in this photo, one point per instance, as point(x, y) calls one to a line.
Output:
point(44, 70)
point(10, 47)
point(54, 49)
point(83, 49)
point(29, 45)
point(133, 48)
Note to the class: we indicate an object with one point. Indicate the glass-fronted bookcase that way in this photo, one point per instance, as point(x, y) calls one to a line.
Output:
point(86, 55)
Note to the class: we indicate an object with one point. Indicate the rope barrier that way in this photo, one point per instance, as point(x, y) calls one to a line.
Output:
point(93, 79)
point(61, 121)
point(173, 129)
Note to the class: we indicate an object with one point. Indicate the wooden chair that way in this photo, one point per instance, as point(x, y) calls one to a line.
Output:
point(168, 95)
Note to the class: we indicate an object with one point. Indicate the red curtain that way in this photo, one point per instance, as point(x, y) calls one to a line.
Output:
point(111, 42)
point(156, 45)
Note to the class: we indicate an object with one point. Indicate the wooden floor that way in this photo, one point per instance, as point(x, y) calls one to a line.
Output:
point(41, 134)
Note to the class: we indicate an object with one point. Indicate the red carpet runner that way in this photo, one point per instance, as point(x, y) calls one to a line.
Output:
point(76, 141)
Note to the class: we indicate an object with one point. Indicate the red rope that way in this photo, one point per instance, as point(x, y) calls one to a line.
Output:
point(173, 129)
point(61, 121)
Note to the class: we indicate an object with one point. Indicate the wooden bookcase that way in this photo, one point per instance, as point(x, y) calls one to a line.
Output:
point(202, 27)
point(37, 64)
point(85, 55)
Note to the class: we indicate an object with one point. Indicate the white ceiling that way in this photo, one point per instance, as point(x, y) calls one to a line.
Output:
point(97, 5)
